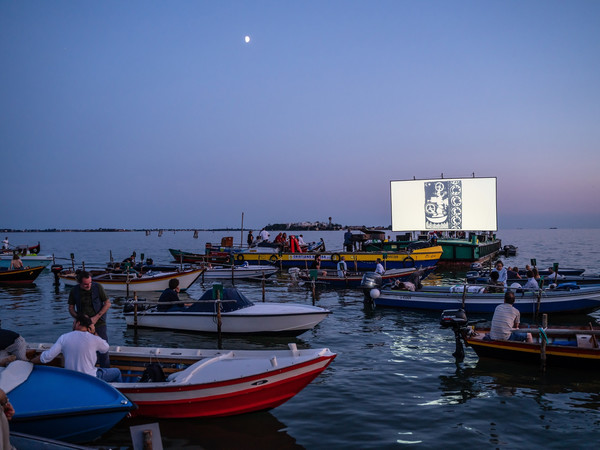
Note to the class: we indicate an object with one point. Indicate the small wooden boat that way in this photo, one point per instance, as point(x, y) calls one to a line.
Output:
point(562, 281)
point(147, 282)
point(212, 383)
point(20, 276)
point(22, 249)
point(215, 257)
point(573, 347)
point(237, 313)
point(475, 300)
point(61, 404)
point(355, 279)
point(247, 272)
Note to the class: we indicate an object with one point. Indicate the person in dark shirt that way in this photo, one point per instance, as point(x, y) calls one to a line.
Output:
point(13, 344)
point(169, 295)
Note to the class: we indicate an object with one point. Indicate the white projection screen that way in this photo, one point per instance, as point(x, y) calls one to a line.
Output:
point(467, 204)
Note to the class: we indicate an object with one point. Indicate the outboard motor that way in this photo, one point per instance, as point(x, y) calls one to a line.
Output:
point(371, 281)
point(457, 320)
point(56, 269)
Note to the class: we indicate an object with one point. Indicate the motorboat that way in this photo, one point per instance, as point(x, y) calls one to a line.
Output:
point(565, 346)
point(475, 299)
point(27, 260)
point(61, 404)
point(354, 279)
point(180, 382)
point(235, 312)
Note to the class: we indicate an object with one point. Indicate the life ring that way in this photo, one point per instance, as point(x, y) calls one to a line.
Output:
point(335, 257)
point(273, 258)
point(408, 262)
point(240, 257)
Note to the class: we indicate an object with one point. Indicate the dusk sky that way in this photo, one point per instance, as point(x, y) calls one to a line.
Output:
point(155, 114)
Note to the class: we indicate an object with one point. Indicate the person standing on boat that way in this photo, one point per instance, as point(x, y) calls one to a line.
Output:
point(348, 240)
point(79, 349)
point(12, 343)
point(5, 243)
point(264, 235)
point(342, 267)
point(506, 317)
point(502, 273)
point(250, 239)
point(89, 298)
point(379, 267)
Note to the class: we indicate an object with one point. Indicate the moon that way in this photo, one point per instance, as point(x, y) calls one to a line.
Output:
point(247, 39)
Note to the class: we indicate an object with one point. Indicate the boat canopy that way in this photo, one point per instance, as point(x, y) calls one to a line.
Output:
point(237, 300)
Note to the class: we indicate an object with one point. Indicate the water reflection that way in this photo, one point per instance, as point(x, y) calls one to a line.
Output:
point(570, 388)
point(257, 430)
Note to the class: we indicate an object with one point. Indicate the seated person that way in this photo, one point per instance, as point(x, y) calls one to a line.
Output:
point(316, 265)
point(513, 273)
point(552, 275)
point(506, 317)
point(13, 344)
point(171, 294)
point(79, 349)
point(494, 286)
point(16, 263)
point(404, 286)
point(532, 283)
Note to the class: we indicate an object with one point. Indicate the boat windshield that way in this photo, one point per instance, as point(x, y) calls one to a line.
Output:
point(228, 294)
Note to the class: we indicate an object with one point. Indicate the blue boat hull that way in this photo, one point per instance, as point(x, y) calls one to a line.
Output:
point(65, 405)
point(577, 301)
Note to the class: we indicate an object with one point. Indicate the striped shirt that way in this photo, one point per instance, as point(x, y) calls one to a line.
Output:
point(505, 318)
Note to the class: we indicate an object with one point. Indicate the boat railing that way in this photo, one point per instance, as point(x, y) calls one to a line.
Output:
point(185, 375)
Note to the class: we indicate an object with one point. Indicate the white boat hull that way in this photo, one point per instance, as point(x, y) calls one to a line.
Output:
point(146, 283)
point(239, 272)
point(28, 260)
point(263, 318)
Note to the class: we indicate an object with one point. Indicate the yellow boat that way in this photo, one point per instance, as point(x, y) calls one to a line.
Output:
point(358, 261)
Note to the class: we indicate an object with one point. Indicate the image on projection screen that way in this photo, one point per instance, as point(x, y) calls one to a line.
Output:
point(467, 204)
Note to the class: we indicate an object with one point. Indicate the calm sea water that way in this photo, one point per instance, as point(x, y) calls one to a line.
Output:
point(394, 382)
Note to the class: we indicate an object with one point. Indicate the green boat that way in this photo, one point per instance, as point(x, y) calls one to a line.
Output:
point(467, 250)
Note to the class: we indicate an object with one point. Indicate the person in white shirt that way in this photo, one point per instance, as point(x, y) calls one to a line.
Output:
point(532, 283)
point(506, 317)
point(342, 267)
point(5, 243)
point(379, 267)
point(502, 273)
point(79, 349)
point(301, 241)
point(264, 235)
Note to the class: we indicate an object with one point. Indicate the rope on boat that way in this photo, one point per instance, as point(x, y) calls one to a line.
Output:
point(543, 334)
